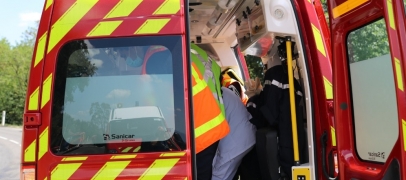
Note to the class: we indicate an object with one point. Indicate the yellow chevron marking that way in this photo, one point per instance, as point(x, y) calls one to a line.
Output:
point(123, 157)
point(158, 169)
point(29, 153)
point(152, 26)
point(319, 40)
point(64, 171)
point(68, 20)
point(391, 15)
point(333, 136)
point(399, 78)
point(123, 8)
point(45, 178)
point(49, 3)
point(104, 28)
point(168, 7)
point(346, 7)
point(75, 158)
point(329, 88)
point(46, 91)
point(39, 54)
point(126, 149)
point(111, 170)
point(404, 133)
point(33, 102)
point(172, 154)
point(137, 149)
point(43, 143)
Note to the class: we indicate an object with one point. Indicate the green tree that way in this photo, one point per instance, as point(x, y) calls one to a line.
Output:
point(255, 67)
point(15, 61)
point(368, 42)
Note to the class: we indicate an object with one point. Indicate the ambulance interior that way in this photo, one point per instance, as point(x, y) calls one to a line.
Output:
point(257, 27)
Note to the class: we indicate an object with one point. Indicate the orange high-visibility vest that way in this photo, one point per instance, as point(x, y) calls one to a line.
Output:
point(209, 119)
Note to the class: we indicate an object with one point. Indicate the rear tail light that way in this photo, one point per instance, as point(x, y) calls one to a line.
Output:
point(335, 164)
point(28, 174)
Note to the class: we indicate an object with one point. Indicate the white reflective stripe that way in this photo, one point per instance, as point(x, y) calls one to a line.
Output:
point(277, 84)
point(280, 85)
point(251, 104)
point(193, 51)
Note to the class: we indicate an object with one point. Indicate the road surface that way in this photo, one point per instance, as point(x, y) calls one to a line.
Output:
point(10, 153)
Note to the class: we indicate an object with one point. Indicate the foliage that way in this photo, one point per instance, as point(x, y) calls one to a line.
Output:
point(255, 67)
point(15, 62)
point(368, 42)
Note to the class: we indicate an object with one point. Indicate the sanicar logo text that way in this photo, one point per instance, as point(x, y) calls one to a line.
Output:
point(122, 136)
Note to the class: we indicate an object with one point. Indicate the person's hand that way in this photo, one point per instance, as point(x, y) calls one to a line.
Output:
point(254, 87)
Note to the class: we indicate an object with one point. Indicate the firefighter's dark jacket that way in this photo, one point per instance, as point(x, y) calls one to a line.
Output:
point(275, 109)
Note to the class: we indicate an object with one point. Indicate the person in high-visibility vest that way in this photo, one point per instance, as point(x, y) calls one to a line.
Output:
point(209, 113)
point(231, 81)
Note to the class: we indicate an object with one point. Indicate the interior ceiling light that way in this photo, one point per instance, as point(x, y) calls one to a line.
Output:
point(278, 13)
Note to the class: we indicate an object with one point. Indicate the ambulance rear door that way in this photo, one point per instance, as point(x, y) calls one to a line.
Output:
point(369, 46)
point(99, 55)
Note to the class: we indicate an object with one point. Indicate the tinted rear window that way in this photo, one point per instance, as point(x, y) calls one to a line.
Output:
point(117, 96)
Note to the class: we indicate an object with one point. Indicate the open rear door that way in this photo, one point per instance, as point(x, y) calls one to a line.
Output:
point(369, 46)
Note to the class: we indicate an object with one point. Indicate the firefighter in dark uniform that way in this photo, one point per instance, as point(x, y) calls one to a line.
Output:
point(275, 109)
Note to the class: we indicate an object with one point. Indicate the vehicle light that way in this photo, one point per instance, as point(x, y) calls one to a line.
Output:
point(28, 174)
point(278, 13)
point(335, 164)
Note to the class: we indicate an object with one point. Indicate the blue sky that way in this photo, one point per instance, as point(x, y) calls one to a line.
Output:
point(17, 16)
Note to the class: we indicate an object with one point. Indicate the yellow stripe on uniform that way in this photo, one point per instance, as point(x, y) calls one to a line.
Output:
point(168, 7)
point(390, 14)
point(43, 143)
point(209, 125)
point(333, 136)
point(46, 91)
point(75, 158)
point(126, 149)
point(319, 40)
point(39, 55)
point(49, 3)
point(64, 171)
point(33, 102)
point(104, 28)
point(68, 20)
point(123, 157)
point(152, 26)
point(29, 153)
point(404, 133)
point(200, 84)
point(158, 169)
point(123, 8)
point(172, 154)
point(111, 170)
point(399, 78)
point(329, 88)
point(346, 7)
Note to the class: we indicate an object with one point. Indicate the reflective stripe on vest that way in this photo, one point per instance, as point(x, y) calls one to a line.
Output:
point(200, 84)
